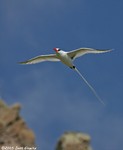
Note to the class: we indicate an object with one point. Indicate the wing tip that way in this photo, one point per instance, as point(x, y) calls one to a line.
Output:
point(24, 63)
point(111, 49)
point(21, 63)
point(106, 50)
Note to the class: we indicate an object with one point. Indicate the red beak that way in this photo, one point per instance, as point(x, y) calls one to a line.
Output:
point(55, 49)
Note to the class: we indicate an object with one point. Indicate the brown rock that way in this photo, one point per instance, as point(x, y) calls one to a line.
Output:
point(13, 129)
point(74, 141)
point(15, 133)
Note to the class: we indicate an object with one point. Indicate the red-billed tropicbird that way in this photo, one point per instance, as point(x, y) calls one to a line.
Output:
point(67, 58)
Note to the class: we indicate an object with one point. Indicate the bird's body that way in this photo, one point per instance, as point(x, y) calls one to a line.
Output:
point(67, 58)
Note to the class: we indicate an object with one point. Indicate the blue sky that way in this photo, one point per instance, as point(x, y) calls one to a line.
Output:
point(53, 97)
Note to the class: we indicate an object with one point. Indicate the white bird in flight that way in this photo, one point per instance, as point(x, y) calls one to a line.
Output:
point(67, 58)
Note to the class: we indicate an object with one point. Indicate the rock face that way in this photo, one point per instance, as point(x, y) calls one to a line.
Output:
point(14, 133)
point(74, 141)
point(13, 130)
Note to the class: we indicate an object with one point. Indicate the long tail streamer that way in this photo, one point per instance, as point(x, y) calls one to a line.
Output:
point(92, 89)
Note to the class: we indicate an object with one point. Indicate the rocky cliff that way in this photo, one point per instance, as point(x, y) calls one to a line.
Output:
point(13, 129)
point(15, 135)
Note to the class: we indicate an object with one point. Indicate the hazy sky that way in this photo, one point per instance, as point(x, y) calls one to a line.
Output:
point(54, 99)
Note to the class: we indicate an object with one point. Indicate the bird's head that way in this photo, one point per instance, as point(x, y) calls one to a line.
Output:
point(56, 50)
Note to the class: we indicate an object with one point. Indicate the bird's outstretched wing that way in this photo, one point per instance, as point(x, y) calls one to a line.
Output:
point(82, 51)
point(41, 58)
